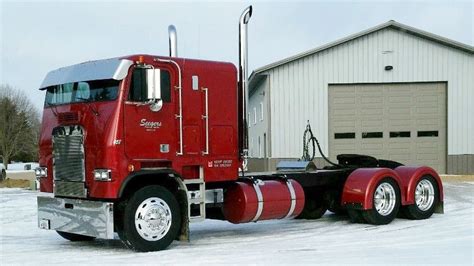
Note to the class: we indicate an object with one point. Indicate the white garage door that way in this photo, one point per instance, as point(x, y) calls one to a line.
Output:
point(401, 122)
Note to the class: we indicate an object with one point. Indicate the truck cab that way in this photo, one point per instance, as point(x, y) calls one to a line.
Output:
point(104, 120)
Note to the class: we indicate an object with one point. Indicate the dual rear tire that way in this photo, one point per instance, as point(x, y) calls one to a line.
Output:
point(386, 202)
point(426, 199)
point(314, 208)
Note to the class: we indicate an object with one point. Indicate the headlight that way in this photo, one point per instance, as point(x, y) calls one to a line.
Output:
point(102, 175)
point(41, 172)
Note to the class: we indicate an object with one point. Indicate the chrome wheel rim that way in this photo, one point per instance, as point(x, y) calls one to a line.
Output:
point(424, 195)
point(385, 198)
point(153, 219)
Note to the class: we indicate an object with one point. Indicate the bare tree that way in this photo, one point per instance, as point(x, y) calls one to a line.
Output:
point(19, 124)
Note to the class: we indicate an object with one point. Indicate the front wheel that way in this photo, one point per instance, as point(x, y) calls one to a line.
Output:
point(151, 219)
point(426, 198)
point(386, 202)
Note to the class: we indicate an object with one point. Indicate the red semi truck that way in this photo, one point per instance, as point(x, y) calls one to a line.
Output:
point(143, 145)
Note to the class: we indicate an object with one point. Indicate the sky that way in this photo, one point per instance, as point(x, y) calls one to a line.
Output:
point(39, 36)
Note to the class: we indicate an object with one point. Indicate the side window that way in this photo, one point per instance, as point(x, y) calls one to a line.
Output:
point(165, 86)
point(138, 86)
point(83, 91)
point(138, 91)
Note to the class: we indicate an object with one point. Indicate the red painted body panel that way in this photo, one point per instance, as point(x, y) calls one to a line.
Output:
point(360, 186)
point(120, 120)
point(410, 175)
point(241, 203)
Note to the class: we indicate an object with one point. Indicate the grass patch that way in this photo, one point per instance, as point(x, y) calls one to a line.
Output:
point(14, 183)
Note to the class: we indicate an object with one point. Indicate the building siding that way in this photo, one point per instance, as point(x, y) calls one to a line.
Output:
point(259, 129)
point(299, 89)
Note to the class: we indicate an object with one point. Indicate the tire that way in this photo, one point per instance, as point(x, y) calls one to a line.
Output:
point(313, 209)
point(337, 210)
point(163, 212)
point(3, 175)
point(355, 216)
point(385, 209)
point(426, 197)
point(75, 237)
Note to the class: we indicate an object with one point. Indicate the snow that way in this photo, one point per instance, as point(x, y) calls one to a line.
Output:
point(443, 239)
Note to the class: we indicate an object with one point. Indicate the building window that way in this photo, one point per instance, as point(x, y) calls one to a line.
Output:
point(427, 133)
point(261, 111)
point(346, 135)
point(399, 134)
point(251, 148)
point(255, 115)
point(248, 119)
point(259, 148)
point(372, 135)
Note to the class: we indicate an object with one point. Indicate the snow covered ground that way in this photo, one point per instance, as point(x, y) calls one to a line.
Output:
point(444, 239)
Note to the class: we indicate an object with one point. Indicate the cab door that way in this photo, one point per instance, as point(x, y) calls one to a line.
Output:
point(149, 116)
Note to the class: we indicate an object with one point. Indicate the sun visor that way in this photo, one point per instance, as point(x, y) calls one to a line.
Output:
point(114, 68)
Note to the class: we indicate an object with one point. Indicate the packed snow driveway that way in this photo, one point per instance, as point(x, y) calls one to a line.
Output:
point(443, 239)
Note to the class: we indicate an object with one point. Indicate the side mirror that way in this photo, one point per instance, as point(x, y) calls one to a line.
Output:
point(155, 104)
point(153, 81)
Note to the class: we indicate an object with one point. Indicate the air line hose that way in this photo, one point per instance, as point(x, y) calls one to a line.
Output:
point(309, 138)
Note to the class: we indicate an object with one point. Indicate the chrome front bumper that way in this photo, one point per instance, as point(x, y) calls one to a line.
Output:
point(82, 217)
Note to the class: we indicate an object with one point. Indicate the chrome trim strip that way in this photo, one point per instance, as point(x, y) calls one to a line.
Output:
point(113, 68)
point(256, 185)
point(206, 117)
point(69, 189)
point(293, 199)
point(83, 217)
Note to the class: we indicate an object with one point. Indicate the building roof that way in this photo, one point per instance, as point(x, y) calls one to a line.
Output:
point(389, 24)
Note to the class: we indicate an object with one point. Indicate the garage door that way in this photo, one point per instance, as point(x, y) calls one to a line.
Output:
point(401, 122)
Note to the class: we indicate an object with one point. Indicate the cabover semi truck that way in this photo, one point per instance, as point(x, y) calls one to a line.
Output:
point(142, 145)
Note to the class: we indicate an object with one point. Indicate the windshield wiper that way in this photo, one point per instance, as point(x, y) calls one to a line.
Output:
point(54, 110)
point(88, 101)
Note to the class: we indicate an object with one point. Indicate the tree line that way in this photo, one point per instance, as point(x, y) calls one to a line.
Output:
point(19, 126)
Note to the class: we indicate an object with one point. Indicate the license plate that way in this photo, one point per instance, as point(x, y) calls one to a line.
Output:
point(44, 224)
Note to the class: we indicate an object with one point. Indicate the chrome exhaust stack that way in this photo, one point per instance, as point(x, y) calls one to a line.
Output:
point(243, 83)
point(173, 41)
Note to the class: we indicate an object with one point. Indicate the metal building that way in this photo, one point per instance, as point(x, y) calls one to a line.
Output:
point(392, 91)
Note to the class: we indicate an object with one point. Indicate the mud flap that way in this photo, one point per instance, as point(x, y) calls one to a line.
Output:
point(183, 203)
point(439, 207)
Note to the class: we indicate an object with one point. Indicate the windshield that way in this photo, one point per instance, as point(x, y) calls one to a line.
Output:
point(83, 91)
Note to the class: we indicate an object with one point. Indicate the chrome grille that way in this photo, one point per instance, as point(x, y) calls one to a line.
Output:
point(68, 152)
point(69, 189)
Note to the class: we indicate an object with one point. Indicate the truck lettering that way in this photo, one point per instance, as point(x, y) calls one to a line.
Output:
point(149, 125)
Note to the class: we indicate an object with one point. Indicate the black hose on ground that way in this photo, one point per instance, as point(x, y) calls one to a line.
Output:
point(314, 142)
